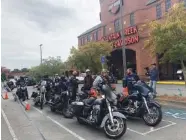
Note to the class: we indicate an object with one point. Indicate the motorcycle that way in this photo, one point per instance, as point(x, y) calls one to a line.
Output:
point(141, 104)
point(101, 113)
point(40, 97)
point(61, 102)
point(11, 85)
point(21, 92)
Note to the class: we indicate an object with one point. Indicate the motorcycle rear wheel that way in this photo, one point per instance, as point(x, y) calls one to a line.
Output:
point(114, 133)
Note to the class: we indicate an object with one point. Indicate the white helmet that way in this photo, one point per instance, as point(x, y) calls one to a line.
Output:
point(87, 70)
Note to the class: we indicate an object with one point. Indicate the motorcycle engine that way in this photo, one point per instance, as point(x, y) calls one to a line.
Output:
point(133, 106)
point(94, 117)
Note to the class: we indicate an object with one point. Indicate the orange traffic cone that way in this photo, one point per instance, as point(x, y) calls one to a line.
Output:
point(6, 96)
point(27, 107)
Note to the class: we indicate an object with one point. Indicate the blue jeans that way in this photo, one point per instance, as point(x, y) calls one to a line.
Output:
point(152, 84)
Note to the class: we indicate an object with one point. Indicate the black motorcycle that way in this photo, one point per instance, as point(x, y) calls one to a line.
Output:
point(21, 92)
point(101, 113)
point(141, 104)
point(11, 85)
point(61, 103)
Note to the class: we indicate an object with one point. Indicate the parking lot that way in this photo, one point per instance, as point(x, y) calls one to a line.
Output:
point(53, 126)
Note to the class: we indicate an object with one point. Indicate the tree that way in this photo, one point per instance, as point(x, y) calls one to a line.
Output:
point(88, 56)
point(24, 70)
point(168, 37)
point(3, 77)
point(50, 66)
point(16, 70)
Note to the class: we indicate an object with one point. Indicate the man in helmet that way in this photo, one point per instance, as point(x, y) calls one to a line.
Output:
point(73, 85)
point(102, 79)
point(88, 81)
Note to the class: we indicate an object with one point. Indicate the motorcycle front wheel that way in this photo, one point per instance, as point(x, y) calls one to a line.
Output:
point(155, 116)
point(117, 130)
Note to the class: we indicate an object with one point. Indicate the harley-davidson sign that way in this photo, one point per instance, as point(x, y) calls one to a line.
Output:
point(115, 7)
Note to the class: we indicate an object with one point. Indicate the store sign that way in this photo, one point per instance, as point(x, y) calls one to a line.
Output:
point(115, 7)
point(112, 37)
point(131, 37)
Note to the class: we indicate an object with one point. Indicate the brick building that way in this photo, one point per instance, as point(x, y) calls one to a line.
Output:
point(134, 14)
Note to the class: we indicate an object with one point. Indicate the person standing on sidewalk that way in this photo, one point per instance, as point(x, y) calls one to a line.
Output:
point(153, 73)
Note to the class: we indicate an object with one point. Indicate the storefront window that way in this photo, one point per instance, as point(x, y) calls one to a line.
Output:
point(117, 25)
point(132, 19)
point(104, 30)
point(167, 5)
point(95, 36)
point(158, 11)
point(88, 37)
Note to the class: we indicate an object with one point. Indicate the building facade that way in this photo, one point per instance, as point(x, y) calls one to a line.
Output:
point(133, 15)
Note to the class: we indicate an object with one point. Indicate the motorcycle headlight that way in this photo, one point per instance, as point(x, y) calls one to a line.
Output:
point(103, 96)
point(151, 95)
point(23, 88)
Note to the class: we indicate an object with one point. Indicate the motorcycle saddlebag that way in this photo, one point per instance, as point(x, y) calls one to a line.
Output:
point(77, 107)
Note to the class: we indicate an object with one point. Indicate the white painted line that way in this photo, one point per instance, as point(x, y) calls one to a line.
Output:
point(62, 126)
point(157, 129)
point(135, 131)
point(38, 110)
point(9, 126)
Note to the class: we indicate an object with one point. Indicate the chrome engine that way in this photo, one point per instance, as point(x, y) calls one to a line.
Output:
point(132, 106)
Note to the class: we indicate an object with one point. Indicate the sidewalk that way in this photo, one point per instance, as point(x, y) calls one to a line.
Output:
point(18, 123)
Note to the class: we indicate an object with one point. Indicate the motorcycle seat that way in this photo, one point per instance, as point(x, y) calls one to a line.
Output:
point(89, 102)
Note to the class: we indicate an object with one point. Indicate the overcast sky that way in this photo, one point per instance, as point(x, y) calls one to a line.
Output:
point(53, 23)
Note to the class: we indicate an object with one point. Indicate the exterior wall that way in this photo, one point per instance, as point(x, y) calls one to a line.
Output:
point(142, 14)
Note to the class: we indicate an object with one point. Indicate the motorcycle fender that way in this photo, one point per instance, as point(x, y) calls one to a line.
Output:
point(154, 103)
point(117, 114)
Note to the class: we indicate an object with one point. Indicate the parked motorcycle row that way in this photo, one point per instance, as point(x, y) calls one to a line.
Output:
point(108, 111)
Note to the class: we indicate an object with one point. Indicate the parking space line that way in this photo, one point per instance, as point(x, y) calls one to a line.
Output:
point(62, 126)
point(9, 126)
point(135, 131)
point(157, 129)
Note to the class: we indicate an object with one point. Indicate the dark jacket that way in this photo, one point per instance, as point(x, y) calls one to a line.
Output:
point(88, 81)
point(153, 74)
point(129, 80)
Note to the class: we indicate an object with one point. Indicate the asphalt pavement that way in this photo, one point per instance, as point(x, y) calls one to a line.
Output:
point(47, 125)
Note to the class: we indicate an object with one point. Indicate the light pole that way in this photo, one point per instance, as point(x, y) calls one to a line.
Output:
point(123, 39)
point(41, 52)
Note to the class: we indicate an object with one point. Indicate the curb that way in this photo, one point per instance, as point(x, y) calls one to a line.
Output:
point(163, 83)
point(172, 103)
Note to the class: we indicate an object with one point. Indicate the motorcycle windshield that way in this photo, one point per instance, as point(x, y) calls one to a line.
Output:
point(142, 88)
point(109, 94)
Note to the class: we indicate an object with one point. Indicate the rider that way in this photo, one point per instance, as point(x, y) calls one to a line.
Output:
point(73, 85)
point(21, 82)
point(100, 80)
point(130, 79)
point(88, 81)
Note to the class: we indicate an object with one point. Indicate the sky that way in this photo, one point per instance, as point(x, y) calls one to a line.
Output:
point(25, 24)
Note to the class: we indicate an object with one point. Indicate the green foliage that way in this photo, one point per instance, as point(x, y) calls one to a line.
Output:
point(3, 77)
point(50, 66)
point(88, 56)
point(168, 37)
point(24, 70)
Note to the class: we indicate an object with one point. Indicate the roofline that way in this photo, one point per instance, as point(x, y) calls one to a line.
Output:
point(84, 33)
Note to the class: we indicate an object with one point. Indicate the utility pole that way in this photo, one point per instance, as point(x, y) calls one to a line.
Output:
point(41, 52)
point(123, 39)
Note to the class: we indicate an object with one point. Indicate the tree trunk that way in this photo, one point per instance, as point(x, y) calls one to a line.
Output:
point(184, 70)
